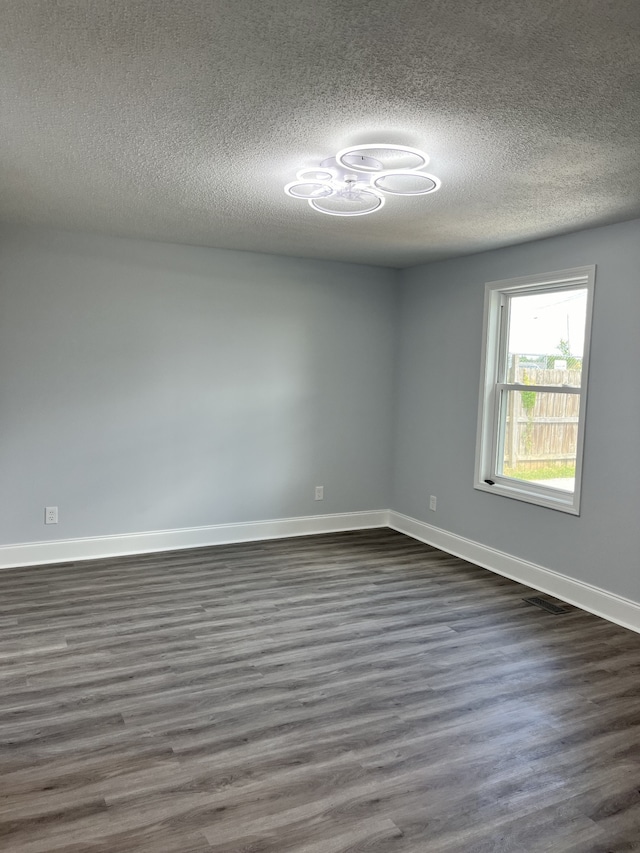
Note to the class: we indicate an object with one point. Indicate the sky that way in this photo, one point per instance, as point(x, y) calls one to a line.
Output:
point(540, 321)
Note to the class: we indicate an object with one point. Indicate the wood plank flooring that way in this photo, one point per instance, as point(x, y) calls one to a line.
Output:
point(327, 694)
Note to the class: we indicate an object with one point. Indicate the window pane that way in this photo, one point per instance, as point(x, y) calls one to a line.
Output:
point(546, 337)
point(539, 437)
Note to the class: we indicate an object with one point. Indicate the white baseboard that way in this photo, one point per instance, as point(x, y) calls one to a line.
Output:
point(622, 611)
point(70, 550)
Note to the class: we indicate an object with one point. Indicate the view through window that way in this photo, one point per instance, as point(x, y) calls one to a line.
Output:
point(539, 428)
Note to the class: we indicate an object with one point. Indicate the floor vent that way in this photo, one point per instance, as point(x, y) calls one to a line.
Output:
point(546, 605)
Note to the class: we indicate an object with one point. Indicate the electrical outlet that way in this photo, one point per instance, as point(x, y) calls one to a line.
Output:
point(319, 494)
point(51, 515)
point(432, 503)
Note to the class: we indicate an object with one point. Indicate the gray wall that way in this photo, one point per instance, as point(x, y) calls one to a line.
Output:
point(145, 386)
point(437, 385)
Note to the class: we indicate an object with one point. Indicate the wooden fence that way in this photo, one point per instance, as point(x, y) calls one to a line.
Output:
point(542, 428)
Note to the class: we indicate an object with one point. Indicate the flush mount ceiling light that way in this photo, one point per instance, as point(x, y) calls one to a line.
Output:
point(356, 180)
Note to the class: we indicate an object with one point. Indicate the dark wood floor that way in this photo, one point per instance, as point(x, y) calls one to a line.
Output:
point(351, 692)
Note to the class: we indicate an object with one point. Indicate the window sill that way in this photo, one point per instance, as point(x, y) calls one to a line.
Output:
point(563, 503)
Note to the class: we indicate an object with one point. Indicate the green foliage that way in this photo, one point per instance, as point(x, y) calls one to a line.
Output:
point(528, 397)
point(550, 472)
point(528, 400)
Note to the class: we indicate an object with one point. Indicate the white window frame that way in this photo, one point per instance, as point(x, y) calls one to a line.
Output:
point(492, 387)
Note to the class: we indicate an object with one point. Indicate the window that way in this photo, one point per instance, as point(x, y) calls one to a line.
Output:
point(534, 388)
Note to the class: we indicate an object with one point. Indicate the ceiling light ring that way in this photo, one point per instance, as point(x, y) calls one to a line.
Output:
point(369, 191)
point(297, 183)
point(330, 174)
point(355, 149)
point(414, 173)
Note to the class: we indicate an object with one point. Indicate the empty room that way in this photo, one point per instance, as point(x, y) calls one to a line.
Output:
point(319, 426)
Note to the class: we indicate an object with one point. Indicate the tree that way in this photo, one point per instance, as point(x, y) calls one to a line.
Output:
point(573, 362)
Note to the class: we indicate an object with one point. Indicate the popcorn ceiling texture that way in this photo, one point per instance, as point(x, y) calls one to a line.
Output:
point(182, 121)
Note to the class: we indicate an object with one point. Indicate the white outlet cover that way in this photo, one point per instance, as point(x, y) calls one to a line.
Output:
point(51, 515)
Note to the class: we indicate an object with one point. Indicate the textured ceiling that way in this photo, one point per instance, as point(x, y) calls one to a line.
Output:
point(181, 120)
